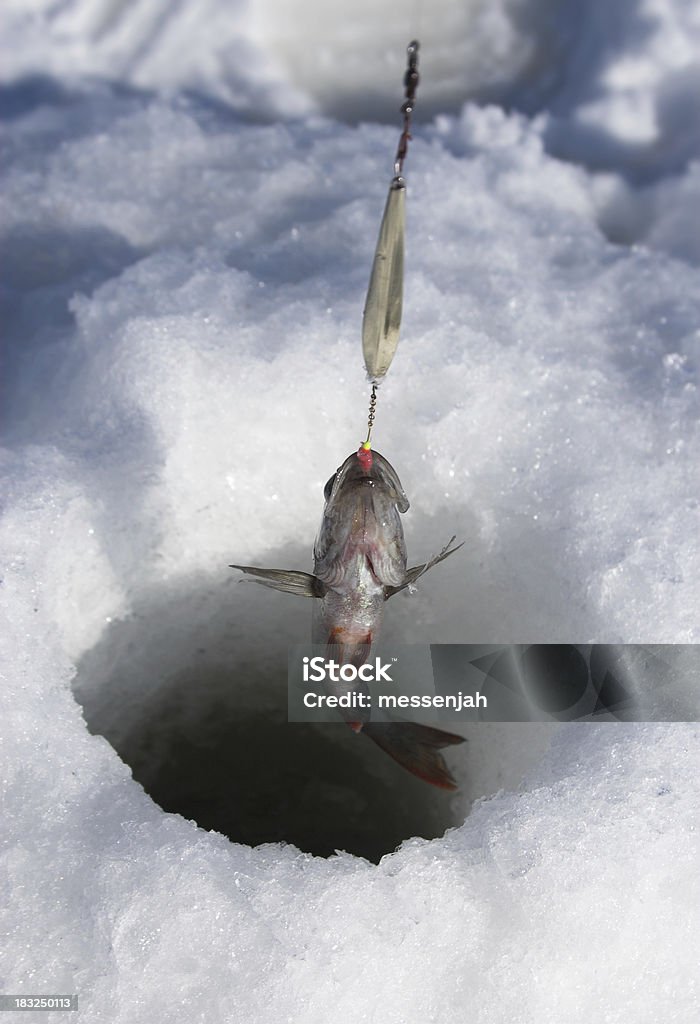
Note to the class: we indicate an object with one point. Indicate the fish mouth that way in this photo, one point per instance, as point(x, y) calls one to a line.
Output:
point(381, 473)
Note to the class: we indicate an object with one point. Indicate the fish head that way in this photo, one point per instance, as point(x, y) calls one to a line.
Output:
point(361, 530)
point(357, 473)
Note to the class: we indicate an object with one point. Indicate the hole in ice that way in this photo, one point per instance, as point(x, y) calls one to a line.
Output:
point(197, 709)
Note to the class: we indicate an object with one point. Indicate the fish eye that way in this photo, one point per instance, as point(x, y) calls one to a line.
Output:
point(329, 487)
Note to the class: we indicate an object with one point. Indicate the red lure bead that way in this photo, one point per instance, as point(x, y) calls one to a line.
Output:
point(365, 457)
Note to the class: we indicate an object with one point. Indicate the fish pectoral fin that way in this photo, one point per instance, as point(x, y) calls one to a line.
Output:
point(417, 749)
point(289, 581)
point(419, 570)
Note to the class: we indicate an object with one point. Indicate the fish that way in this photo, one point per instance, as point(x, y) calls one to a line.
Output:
point(360, 561)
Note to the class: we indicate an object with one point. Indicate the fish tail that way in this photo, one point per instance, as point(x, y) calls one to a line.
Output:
point(416, 748)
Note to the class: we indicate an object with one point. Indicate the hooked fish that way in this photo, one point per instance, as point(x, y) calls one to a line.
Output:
point(359, 563)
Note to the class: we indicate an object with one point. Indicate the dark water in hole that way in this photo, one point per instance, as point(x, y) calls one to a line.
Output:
point(250, 774)
point(191, 691)
point(225, 756)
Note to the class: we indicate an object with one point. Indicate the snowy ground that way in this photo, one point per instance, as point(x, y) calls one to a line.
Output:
point(191, 199)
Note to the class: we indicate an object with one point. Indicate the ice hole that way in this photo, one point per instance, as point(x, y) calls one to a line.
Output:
point(191, 691)
point(204, 730)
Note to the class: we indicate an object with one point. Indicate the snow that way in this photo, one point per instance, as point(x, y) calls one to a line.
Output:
point(191, 198)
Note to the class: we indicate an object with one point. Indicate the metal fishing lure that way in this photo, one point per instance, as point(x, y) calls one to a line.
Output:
point(381, 320)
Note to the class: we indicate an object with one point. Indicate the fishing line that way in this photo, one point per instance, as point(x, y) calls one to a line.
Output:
point(411, 79)
point(383, 306)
